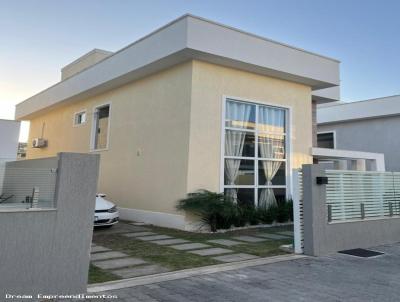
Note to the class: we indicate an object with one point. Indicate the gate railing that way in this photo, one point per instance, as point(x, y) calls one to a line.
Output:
point(298, 224)
point(358, 195)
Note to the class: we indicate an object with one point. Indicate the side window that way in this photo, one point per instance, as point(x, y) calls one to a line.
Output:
point(101, 125)
point(80, 118)
point(326, 140)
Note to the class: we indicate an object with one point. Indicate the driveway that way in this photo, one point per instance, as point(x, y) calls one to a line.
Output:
point(333, 278)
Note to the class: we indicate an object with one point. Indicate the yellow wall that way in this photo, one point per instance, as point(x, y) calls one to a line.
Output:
point(165, 133)
point(210, 83)
point(149, 117)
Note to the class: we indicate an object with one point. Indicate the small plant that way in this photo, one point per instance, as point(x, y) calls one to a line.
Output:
point(268, 216)
point(214, 209)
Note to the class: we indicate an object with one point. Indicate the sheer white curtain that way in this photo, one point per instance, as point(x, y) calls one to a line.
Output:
point(239, 114)
point(271, 146)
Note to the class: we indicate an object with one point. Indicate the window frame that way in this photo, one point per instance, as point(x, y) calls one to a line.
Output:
point(93, 128)
point(74, 124)
point(288, 143)
point(327, 132)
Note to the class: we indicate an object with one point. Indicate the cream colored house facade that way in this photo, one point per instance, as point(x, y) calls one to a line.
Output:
point(194, 105)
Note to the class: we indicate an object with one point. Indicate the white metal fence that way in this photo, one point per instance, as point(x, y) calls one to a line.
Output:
point(357, 195)
point(298, 223)
point(26, 187)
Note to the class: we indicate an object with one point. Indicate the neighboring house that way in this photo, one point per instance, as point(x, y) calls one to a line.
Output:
point(9, 136)
point(368, 126)
point(193, 105)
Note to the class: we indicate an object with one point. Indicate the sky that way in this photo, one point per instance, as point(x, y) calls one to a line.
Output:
point(38, 38)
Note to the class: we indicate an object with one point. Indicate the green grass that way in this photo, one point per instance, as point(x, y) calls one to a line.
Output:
point(178, 260)
point(97, 275)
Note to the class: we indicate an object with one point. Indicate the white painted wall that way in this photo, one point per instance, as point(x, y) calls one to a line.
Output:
point(9, 135)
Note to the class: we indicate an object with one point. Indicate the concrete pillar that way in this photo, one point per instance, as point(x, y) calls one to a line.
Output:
point(340, 164)
point(359, 165)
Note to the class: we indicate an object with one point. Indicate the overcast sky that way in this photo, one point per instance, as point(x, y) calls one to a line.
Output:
point(39, 37)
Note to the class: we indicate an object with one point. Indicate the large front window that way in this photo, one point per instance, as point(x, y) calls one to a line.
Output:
point(255, 160)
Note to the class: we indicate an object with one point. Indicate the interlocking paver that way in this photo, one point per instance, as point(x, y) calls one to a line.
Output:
point(211, 251)
point(99, 248)
point(225, 242)
point(140, 271)
point(118, 263)
point(189, 246)
point(249, 239)
point(170, 241)
point(272, 236)
point(235, 257)
point(107, 255)
point(139, 234)
point(155, 237)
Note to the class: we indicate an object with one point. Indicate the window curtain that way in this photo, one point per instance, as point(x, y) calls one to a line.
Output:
point(271, 146)
point(234, 142)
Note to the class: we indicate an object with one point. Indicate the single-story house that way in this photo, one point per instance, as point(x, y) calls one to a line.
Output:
point(193, 105)
point(366, 126)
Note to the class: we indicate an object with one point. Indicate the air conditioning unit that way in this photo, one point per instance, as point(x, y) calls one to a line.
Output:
point(39, 143)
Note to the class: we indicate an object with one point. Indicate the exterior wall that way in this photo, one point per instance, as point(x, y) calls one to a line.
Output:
point(145, 166)
point(210, 84)
point(9, 136)
point(322, 238)
point(165, 134)
point(369, 135)
point(84, 62)
point(47, 251)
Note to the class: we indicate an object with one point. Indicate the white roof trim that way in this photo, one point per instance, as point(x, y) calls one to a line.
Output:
point(187, 38)
point(373, 108)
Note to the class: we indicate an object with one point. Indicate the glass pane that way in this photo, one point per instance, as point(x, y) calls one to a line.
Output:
point(239, 143)
point(102, 117)
point(245, 197)
point(240, 115)
point(271, 119)
point(269, 196)
point(239, 172)
point(271, 146)
point(325, 140)
point(271, 173)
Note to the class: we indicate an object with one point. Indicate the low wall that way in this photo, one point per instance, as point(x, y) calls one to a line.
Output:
point(322, 237)
point(47, 251)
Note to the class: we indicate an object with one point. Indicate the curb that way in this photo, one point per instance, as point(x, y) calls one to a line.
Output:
point(156, 278)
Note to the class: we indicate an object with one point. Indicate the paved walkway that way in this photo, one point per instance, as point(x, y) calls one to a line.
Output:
point(334, 278)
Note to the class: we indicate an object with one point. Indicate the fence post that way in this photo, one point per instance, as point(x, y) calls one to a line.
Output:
point(298, 249)
point(362, 209)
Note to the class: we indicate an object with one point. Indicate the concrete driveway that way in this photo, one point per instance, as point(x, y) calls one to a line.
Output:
point(333, 278)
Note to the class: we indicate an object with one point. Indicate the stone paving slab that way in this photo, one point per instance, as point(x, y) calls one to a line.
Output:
point(249, 239)
point(170, 241)
point(107, 255)
point(286, 233)
point(99, 248)
point(273, 236)
point(235, 257)
point(189, 246)
point(118, 263)
point(140, 271)
point(211, 251)
point(225, 242)
point(139, 234)
point(155, 237)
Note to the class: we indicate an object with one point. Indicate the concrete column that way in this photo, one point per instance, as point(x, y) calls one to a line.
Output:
point(340, 164)
point(314, 210)
point(359, 165)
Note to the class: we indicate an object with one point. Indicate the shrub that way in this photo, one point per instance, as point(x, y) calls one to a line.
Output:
point(268, 215)
point(284, 211)
point(214, 209)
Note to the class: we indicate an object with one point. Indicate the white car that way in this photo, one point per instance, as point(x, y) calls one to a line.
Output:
point(106, 212)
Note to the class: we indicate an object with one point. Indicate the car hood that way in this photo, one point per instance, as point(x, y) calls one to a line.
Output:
point(103, 204)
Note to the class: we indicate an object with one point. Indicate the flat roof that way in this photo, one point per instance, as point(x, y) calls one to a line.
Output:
point(189, 37)
point(365, 109)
